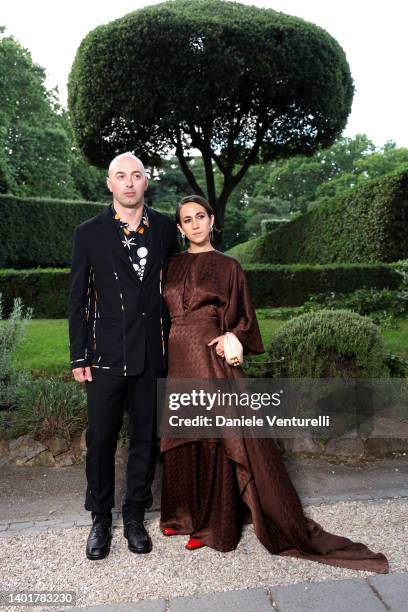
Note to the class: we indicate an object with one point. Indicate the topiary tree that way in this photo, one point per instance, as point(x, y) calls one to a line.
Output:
point(328, 344)
point(237, 83)
point(338, 345)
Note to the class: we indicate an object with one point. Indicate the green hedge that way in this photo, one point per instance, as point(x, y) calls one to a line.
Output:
point(368, 224)
point(46, 290)
point(38, 232)
point(270, 286)
point(291, 285)
point(328, 344)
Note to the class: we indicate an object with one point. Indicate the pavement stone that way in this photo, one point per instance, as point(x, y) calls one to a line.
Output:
point(392, 589)
point(151, 605)
point(21, 526)
point(245, 600)
point(333, 596)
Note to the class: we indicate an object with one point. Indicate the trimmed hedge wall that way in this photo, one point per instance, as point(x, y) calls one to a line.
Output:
point(273, 286)
point(270, 286)
point(37, 232)
point(367, 225)
point(46, 290)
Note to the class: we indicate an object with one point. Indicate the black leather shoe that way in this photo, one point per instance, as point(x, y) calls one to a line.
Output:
point(99, 539)
point(138, 539)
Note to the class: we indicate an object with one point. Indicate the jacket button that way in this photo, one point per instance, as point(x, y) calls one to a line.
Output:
point(143, 314)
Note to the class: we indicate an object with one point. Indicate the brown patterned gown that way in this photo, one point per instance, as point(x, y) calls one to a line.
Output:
point(212, 487)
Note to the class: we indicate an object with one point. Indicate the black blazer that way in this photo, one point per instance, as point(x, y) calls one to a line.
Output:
point(112, 314)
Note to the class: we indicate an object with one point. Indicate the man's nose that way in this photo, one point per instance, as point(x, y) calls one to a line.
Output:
point(129, 181)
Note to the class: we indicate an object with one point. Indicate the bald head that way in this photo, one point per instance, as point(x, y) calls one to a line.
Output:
point(127, 159)
point(127, 181)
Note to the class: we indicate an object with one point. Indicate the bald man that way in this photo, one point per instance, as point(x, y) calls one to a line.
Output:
point(118, 327)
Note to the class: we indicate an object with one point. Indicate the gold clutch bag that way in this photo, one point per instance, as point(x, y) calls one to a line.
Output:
point(233, 350)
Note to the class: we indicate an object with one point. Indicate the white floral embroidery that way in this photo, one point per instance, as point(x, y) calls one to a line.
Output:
point(128, 242)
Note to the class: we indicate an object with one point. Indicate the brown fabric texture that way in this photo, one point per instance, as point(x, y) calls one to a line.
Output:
point(212, 487)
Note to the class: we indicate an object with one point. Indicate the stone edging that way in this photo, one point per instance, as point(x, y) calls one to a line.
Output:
point(60, 452)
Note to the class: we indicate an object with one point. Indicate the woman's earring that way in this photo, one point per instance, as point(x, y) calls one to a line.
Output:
point(211, 233)
point(183, 238)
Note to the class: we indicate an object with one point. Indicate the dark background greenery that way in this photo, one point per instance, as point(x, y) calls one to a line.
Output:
point(270, 286)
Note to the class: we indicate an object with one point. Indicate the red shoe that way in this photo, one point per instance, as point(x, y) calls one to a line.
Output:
point(193, 543)
point(168, 531)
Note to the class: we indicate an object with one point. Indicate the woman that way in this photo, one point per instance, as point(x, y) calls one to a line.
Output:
point(211, 487)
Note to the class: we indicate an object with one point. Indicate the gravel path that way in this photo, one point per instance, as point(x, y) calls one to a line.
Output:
point(55, 559)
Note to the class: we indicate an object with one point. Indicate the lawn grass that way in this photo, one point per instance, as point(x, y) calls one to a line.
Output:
point(44, 350)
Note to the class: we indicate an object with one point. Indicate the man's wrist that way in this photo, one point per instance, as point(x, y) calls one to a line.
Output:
point(80, 363)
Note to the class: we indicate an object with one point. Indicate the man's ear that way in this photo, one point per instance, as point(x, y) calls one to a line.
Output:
point(108, 183)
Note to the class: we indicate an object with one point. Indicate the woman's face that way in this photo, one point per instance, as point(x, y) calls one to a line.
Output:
point(195, 223)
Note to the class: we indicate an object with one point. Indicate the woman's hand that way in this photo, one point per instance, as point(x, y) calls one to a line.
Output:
point(219, 341)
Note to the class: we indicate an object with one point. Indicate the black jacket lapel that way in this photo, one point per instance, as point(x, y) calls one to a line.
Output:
point(113, 240)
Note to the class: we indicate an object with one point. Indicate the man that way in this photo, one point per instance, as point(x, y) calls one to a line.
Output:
point(118, 328)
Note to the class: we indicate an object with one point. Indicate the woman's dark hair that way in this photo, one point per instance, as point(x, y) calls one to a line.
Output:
point(194, 199)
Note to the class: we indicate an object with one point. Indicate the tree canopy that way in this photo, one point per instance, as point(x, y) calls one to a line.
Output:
point(34, 145)
point(237, 83)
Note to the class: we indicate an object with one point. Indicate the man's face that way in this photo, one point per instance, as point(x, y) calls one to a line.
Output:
point(127, 182)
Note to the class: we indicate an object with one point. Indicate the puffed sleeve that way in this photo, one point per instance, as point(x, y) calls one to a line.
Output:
point(239, 315)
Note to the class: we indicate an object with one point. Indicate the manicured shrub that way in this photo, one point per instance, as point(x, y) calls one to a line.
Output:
point(328, 344)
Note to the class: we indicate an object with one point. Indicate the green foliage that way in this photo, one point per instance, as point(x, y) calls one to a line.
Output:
point(284, 187)
point(45, 230)
point(291, 285)
point(40, 163)
point(46, 408)
point(34, 145)
point(297, 181)
point(382, 305)
point(328, 344)
point(270, 286)
point(401, 267)
point(236, 82)
point(368, 224)
point(46, 289)
point(372, 163)
point(37, 152)
point(171, 51)
point(12, 331)
point(397, 365)
point(49, 242)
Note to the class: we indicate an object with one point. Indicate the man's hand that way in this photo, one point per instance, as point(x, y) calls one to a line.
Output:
point(219, 341)
point(82, 374)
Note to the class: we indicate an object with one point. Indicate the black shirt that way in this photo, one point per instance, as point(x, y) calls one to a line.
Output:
point(136, 242)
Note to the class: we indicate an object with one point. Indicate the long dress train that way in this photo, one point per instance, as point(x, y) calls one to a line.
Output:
point(212, 487)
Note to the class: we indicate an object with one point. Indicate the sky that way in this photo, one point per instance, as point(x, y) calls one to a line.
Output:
point(371, 32)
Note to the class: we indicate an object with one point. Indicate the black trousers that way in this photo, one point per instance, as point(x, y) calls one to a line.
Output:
point(108, 397)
